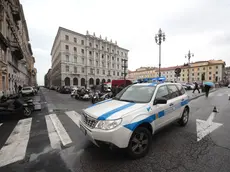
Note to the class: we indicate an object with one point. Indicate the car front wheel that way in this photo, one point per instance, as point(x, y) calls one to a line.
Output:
point(139, 143)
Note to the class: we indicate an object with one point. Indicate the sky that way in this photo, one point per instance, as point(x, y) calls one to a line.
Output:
point(199, 26)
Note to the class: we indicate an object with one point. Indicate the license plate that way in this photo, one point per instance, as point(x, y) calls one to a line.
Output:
point(83, 129)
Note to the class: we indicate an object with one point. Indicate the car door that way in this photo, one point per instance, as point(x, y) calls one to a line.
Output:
point(158, 109)
point(175, 102)
point(184, 99)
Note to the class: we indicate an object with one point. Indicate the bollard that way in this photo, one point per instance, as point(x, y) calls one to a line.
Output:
point(214, 109)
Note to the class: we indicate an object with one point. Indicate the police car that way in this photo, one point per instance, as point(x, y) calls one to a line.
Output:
point(129, 119)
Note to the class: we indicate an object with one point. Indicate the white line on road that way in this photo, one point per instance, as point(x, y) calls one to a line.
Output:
point(74, 116)
point(55, 141)
point(65, 139)
point(0, 124)
point(15, 147)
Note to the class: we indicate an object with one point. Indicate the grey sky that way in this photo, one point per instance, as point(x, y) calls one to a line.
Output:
point(201, 26)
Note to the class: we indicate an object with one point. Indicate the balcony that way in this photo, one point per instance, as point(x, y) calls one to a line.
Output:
point(16, 50)
point(16, 13)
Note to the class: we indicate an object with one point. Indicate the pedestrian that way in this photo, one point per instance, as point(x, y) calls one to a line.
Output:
point(196, 87)
point(207, 88)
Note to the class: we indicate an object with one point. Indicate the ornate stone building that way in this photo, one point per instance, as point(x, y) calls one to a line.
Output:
point(16, 60)
point(85, 60)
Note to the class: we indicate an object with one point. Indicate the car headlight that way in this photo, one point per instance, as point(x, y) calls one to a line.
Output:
point(108, 124)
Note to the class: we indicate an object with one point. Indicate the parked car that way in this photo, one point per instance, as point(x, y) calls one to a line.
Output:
point(27, 91)
point(133, 115)
point(35, 90)
point(229, 86)
point(65, 90)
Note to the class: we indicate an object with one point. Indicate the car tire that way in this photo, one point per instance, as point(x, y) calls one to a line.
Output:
point(184, 118)
point(140, 140)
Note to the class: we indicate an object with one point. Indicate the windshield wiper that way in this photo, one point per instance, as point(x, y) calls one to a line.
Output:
point(127, 100)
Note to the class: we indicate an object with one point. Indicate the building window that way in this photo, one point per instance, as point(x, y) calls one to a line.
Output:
point(117, 66)
point(107, 49)
point(112, 51)
point(112, 58)
point(210, 78)
point(75, 40)
point(183, 74)
point(203, 68)
point(90, 44)
point(210, 73)
point(109, 72)
point(118, 52)
point(67, 58)
point(102, 56)
point(82, 70)
point(96, 54)
point(108, 65)
point(75, 49)
point(90, 52)
point(66, 37)
point(103, 64)
point(192, 69)
point(97, 71)
point(82, 42)
point(198, 79)
point(125, 54)
point(82, 60)
point(216, 67)
point(103, 72)
point(183, 79)
point(192, 74)
point(117, 73)
point(75, 59)
point(96, 63)
point(216, 72)
point(114, 73)
point(96, 46)
point(67, 68)
point(102, 48)
point(113, 65)
point(91, 70)
point(66, 47)
point(198, 74)
point(75, 69)
point(198, 68)
point(118, 59)
point(122, 53)
point(210, 67)
point(82, 51)
point(108, 57)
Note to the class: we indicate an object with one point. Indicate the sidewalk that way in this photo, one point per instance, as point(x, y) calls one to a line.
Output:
point(196, 95)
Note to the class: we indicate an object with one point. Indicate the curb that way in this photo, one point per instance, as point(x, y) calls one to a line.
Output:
point(193, 98)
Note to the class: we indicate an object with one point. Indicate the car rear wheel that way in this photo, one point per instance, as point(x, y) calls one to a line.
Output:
point(184, 118)
point(139, 143)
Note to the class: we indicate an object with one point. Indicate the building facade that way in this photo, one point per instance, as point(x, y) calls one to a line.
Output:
point(227, 75)
point(16, 61)
point(213, 71)
point(48, 78)
point(85, 60)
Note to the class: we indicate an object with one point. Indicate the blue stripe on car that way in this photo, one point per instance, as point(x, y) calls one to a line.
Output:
point(108, 100)
point(110, 113)
point(150, 119)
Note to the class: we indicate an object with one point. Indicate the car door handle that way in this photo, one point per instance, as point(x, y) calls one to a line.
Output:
point(171, 104)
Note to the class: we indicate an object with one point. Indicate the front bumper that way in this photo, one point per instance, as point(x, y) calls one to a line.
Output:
point(118, 136)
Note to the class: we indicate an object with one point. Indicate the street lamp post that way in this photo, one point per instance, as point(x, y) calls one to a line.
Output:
point(159, 38)
point(189, 55)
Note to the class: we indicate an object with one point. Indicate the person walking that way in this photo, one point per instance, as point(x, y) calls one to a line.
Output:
point(206, 88)
point(196, 88)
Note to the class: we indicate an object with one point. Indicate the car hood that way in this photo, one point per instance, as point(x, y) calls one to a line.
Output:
point(112, 109)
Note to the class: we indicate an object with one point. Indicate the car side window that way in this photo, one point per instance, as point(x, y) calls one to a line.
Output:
point(181, 89)
point(162, 92)
point(173, 91)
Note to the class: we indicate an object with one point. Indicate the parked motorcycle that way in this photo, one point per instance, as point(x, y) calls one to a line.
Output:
point(16, 106)
point(97, 97)
point(83, 94)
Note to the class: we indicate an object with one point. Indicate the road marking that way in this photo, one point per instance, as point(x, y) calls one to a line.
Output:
point(15, 147)
point(204, 128)
point(65, 139)
point(74, 116)
point(55, 141)
point(0, 124)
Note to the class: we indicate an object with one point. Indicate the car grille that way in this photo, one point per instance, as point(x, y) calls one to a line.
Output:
point(89, 121)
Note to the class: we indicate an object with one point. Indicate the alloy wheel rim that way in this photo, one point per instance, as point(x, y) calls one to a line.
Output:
point(185, 117)
point(139, 143)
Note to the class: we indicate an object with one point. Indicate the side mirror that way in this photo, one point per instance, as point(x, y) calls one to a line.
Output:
point(160, 101)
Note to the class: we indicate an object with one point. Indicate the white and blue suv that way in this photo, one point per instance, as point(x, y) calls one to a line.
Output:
point(129, 119)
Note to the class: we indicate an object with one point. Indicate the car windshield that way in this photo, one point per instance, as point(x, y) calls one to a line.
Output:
point(136, 93)
point(27, 88)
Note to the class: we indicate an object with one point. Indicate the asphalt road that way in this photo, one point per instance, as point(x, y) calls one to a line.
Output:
point(174, 148)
